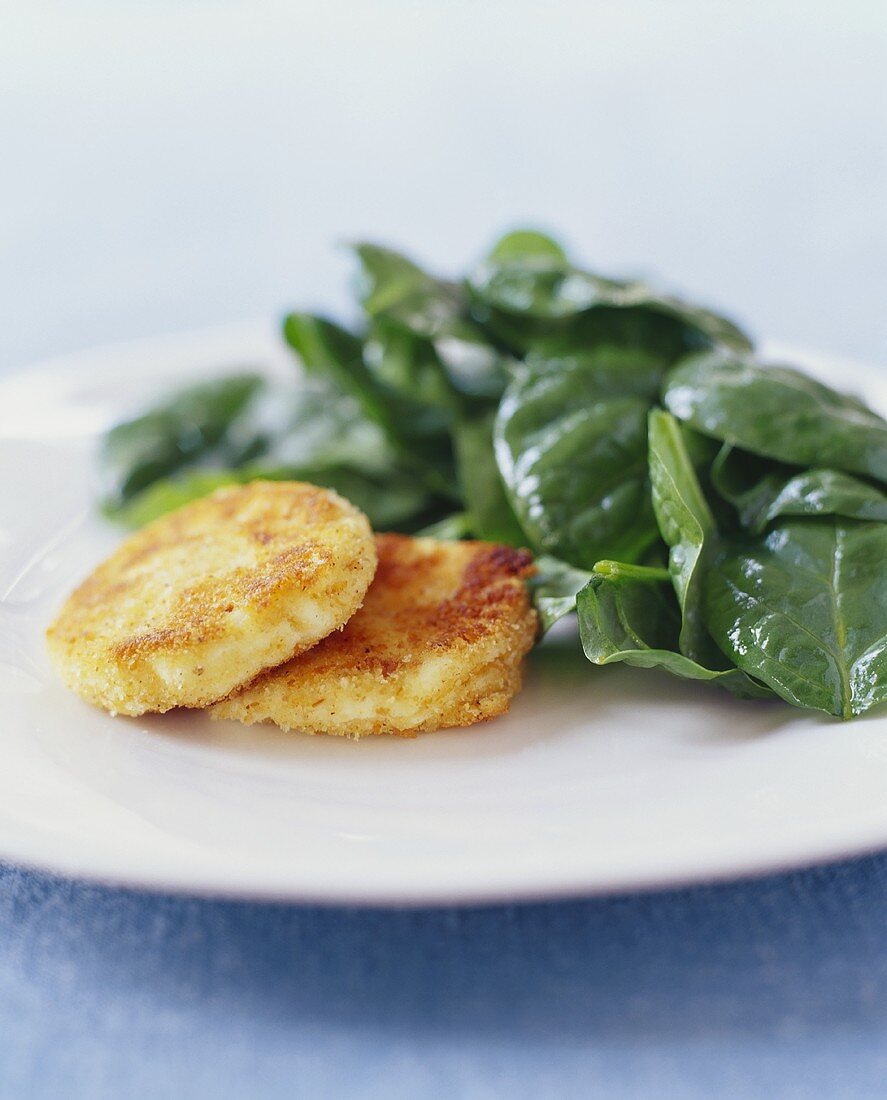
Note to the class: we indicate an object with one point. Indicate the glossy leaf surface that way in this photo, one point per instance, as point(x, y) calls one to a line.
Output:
point(571, 444)
point(803, 609)
point(628, 613)
point(687, 528)
point(491, 516)
point(555, 588)
point(777, 412)
point(762, 491)
point(527, 289)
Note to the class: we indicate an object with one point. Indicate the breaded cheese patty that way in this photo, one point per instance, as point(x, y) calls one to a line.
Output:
point(439, 642)
point(202, 600)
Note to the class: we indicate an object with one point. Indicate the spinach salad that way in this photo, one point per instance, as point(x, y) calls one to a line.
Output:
point(700, 511)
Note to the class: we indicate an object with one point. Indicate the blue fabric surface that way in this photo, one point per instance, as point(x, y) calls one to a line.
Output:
point(776, 987)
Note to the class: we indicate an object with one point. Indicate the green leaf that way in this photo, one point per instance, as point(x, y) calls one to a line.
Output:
point(451, 528)
point(423, 322)
point(687, 528)
point(306, 432)
point(448, 374)
point(762, 490)
point(491, 514)
point(571, 444)
point(393, 287)
point(408, 365)
point(307, 423)
point(393, 501)
point(526, 245)
point(331, 352)
point(656, 335)
point(477, 371)
point(170, 493)
point(415, 429)
point(525, 296)
point(628, 613)
point(186, 428)
point(802, 609)
point(777, 412)
point(704, 325)
point(823, 492)
point(554, 589)
point(544, 289)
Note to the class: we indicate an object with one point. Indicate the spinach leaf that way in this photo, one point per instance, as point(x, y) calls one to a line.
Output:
point(704, 325)
point(189, 427)
point(407, 365)
point(802, 609)
point(451, 528)
point(393, 287)
point(412, 311)
point(390, 501)
point(417, 431)
point(655, 335)
point(329, 351)
point(823, 492)
point(554, 589)
point(477, 370)
point(777, 412)
point(447, 374)
point(761, 491)
point(167, 494)
point(687, 527)
point(544, 288)
point(523, 293)
point(628, 613)
point(491, 514)
point(744, 480)
point(571, 444)
point(309, 424)
point(527, 246)
point(308, 432)
point(314, 433)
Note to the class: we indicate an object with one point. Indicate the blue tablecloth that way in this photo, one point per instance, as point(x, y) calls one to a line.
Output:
point(769, 988)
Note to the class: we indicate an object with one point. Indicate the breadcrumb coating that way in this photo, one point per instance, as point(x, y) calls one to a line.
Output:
point(203, 600)
point(439, 642)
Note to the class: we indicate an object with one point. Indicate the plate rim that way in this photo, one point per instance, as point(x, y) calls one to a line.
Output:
point(555, 889)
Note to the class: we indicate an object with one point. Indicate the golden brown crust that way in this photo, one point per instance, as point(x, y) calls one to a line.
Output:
point(439, 642)
point(201, 601)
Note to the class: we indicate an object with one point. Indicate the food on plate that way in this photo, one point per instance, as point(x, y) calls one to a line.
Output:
point(439, 642)
point(202, 600)
point(701, 510)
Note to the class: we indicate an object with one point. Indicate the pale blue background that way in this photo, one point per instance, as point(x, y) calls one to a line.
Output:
point(165, 166)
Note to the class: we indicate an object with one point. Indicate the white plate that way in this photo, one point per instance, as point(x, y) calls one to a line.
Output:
point(598, 780)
